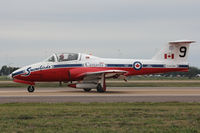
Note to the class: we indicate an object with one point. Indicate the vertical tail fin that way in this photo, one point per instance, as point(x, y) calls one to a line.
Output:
point(175, 51)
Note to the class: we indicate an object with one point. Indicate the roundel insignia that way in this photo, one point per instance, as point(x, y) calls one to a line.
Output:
point(137, 65)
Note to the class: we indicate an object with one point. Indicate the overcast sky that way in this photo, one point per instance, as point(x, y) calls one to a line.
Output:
point(31, 30)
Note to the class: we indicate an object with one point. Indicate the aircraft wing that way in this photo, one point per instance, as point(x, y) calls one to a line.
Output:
point(90, 76)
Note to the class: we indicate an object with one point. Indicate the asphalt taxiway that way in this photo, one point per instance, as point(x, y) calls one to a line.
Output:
point(113, 94)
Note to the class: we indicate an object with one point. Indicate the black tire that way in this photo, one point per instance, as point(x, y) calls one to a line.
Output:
point(31, 89)
point(100, 88)
point(87, 89)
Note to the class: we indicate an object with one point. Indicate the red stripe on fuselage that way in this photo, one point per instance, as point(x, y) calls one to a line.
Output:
point(69, 74)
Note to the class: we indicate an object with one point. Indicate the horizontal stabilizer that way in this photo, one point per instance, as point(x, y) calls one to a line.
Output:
point(181, 42)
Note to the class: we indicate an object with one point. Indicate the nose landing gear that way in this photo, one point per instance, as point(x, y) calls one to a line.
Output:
point(31, 88)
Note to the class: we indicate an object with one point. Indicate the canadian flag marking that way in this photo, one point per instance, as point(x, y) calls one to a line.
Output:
point(169, 56)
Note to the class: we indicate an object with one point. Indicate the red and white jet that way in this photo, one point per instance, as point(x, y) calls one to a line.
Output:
point(89, 72)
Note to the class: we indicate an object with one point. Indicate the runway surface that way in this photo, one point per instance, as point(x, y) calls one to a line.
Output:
point(113, 94)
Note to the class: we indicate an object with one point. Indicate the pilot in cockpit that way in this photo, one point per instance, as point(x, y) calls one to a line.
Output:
point(61, 57)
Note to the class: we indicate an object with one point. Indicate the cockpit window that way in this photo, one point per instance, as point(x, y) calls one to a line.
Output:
point(51, 59)
point(67, 57)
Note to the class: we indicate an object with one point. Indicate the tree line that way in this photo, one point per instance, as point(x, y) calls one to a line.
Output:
point(193, 72)
point(6, 70)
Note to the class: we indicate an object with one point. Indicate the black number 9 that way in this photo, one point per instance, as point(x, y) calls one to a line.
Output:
point(183, 50)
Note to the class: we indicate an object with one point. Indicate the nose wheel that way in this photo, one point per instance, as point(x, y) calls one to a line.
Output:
point(31, 88)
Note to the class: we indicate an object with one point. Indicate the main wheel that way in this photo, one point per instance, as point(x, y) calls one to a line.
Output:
point(31, 88)
point(87, 89)
point(100, 88)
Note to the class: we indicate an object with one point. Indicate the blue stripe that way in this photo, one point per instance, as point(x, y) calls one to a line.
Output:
point(17, 73)
point(157, 65)
point(183, 66)
point(119, 65)
point(130, 65)
point(115, 65)
point(67, 65)
point(144, 65)
point(153, 65)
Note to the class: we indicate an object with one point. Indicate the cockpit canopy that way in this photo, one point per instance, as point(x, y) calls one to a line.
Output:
point(63, 57)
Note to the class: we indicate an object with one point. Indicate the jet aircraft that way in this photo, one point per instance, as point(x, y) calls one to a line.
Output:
point(88, 72)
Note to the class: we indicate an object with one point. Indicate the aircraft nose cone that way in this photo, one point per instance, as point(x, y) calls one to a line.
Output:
point(10, 76)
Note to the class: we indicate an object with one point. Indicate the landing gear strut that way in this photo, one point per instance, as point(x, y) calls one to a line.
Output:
point(31, 88)
point(101, 87)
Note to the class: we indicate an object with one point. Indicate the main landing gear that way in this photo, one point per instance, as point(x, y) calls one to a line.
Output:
point(99, 88)
point(87, 89)
point(31, 88)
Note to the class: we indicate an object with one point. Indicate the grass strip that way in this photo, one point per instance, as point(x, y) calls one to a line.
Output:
point(100, 117)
